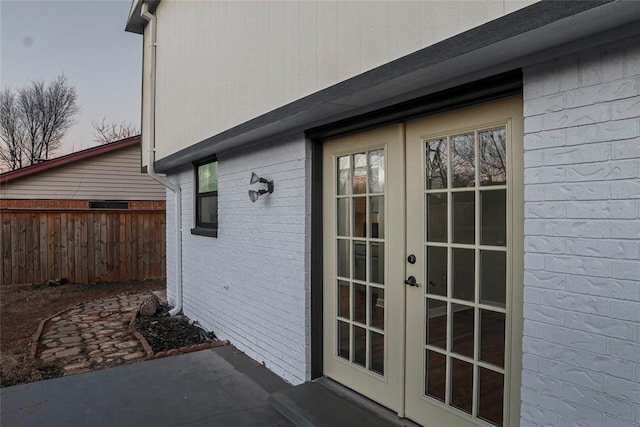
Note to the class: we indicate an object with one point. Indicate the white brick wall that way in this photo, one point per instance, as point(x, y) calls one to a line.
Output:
point(251, 284)
point(581, 351)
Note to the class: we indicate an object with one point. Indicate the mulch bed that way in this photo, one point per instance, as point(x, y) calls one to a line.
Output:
point(163, 332)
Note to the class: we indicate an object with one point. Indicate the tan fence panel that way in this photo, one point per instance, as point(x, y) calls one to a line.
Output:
point(81, 246)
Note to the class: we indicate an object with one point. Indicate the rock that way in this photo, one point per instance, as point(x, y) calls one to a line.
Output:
point(133, 356)
point(56, 282)
point(149, 306)
point(74, 351)
point(127, 344)
point(76, 366)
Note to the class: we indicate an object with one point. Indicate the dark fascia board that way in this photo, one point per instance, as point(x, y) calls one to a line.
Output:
point(464, 58)
point(135, 23)
point(494, 87)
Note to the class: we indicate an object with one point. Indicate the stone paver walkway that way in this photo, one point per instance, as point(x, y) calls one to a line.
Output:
point(92, 335)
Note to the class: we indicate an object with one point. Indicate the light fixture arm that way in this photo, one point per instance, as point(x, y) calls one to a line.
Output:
point(253, 194)
point(269, 185)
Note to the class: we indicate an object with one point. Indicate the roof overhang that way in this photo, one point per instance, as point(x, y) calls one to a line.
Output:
point(135, 22)
point(533, 34)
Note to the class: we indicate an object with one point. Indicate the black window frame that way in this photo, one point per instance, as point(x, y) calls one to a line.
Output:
point(203, 228)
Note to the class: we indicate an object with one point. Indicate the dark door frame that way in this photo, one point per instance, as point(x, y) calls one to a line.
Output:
point(495, 87)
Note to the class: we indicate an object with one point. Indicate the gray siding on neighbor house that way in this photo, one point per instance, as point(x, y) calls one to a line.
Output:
point(110, 176)
point(251, 284)
point(582, 239)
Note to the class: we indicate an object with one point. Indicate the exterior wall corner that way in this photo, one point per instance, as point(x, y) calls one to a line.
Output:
point(581, 355)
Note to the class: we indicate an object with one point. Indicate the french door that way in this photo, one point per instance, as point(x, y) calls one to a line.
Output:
point(363, 252)
point(423, 265)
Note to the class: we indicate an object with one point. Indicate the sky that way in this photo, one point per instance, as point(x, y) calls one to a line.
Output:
point(86, 41)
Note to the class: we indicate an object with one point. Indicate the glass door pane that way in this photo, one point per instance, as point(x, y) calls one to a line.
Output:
point(466, 256)
point(360, 202)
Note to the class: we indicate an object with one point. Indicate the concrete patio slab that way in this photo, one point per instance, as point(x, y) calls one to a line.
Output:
point(220, 387)
point(325, 403)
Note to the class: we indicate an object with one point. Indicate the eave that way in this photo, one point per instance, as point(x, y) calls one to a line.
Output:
point(542, 31)
point(135, 23)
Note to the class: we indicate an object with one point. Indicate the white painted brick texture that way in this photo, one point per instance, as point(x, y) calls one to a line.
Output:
point(581, 349)
point(251, 284)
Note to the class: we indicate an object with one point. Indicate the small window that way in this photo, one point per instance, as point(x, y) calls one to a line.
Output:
point(206, 198)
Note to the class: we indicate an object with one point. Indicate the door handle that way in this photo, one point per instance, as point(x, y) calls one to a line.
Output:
point(411, 281)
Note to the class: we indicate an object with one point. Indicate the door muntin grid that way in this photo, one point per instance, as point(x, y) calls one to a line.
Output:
point(361, 269)
point(465, 248)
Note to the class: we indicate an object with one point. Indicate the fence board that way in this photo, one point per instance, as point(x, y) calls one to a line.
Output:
point(70, 255)
point(28, 265)
point(35, 218)
point(147, 246)
point(138, 233)
point(91, 249)
point(15, 241)
point(2, 243)
point(112, 244)
point(84, 249)
point(121, 244)
point(21, 249)
point(51, 238)
point(82, 246)
point(102, 262)
point(44, 243)
point(57, 248)
point(76, 236)
point(6, 248)
point(64, 242)
point(129, 249)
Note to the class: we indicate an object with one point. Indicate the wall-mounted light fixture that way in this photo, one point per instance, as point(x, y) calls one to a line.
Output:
point(253, 194)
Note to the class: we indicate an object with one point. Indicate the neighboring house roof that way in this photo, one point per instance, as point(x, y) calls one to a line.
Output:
point(107, 172)
point(69, 158)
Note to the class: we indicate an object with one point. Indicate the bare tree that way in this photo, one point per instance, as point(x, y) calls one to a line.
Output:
point(12, 135)
point(493, 152)
point(34, 120)
point(56, 105)
point(491, 147)
point(109, 132)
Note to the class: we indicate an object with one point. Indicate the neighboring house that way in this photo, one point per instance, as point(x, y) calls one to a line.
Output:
point(454, 227)
point(89, 216)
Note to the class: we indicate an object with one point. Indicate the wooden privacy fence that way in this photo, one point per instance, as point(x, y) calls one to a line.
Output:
point(82, 246)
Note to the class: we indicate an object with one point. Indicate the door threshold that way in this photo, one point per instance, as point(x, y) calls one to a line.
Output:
point(325, 403)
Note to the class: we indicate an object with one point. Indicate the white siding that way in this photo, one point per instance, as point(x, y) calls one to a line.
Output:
point(221, 63)
point(251, 284)
point(582, 244)
point(110, 176)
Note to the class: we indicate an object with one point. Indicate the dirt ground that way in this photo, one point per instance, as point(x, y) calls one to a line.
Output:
point(22, 307)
